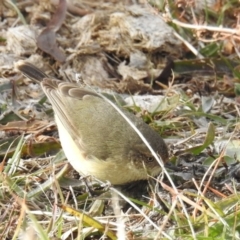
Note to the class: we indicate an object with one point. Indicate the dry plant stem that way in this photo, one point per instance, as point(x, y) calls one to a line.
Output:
point(190, 47)
point(4, 160)
point(73, 196)
point(203, 27)
point(237, 110)
point(24, 209)
point(188, 201)
point(209, 28)
point(20, 218)
point(19, 115)
point(14, 6)
point(140, 211)
point(57, 192)
point(217, 192)
point(13, 162)
point(121, 232)
point(209, 205)
point(186, 139)
point(5, 229)
point(236, 50)
point(229, 188)
point(174, 203)
point(103, 219)
point(39, 132)
point(222, 37)
point(193, 14)
point(201, 193)
point(48, 183)
point(215, 163)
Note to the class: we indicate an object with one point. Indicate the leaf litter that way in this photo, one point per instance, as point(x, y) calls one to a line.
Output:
point(122, 48)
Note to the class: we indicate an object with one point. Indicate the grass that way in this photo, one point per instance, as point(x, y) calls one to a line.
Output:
point(196, 197)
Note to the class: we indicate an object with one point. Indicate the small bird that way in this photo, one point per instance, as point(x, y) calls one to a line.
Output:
point(96, 139)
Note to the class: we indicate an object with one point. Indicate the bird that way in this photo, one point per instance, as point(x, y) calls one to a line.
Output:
point(95, 138)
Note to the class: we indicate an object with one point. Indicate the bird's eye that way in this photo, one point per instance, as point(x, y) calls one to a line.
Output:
point(150, 159)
